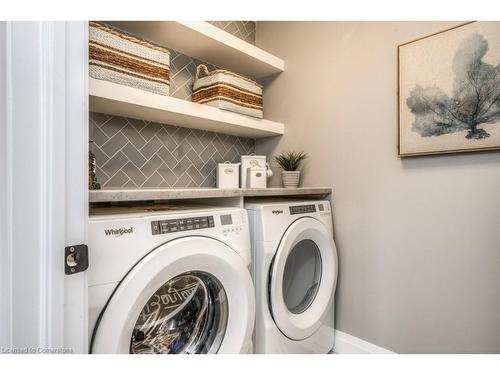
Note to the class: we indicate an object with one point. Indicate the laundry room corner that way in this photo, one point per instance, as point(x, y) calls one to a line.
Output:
point(252, 187)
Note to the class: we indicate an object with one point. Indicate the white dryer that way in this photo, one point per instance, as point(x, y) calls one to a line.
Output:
point(170, 281)
point(294, 267)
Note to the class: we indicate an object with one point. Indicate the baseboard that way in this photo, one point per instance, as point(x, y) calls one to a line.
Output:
point(348, 344)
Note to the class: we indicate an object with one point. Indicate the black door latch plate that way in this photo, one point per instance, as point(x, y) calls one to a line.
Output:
point(76, 259)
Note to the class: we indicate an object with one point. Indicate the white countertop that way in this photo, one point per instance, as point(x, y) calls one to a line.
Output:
point(121, 195)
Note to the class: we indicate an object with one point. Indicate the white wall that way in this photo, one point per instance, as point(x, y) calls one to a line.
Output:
point(418, 239)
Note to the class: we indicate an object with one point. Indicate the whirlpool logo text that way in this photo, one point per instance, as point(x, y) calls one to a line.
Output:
point(118, 232)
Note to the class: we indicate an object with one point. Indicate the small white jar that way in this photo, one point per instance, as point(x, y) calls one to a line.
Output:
point(256, 178)
point(228, 175)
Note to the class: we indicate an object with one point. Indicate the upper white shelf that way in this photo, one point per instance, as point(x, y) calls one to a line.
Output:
point(113, 99)
point(207, 43)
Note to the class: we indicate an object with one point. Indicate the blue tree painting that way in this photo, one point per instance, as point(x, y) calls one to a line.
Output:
point(475, 98)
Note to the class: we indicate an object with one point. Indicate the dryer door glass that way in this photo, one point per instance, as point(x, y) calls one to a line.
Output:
point(188, 314)
point(302, 276)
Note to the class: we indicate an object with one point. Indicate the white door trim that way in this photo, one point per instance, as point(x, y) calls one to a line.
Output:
point(5, 187)
point(348, 344)
point(43, 99)
point(76, 181)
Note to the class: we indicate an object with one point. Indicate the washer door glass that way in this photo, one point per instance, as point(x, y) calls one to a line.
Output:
point(188, 314)
point(302, 276)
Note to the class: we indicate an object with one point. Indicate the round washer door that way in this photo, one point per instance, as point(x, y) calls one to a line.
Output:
point(303, 278)
point(190, 295)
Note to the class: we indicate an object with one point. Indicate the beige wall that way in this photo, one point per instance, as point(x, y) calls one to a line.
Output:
point(418, 239)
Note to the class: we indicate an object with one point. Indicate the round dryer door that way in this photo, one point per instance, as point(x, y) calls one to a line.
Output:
point(190, 295)
point(303, 278)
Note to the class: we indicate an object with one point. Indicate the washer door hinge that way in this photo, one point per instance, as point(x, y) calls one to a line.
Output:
point(76, 259)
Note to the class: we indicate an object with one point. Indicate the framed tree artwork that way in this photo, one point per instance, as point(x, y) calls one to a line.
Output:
point(449, 91)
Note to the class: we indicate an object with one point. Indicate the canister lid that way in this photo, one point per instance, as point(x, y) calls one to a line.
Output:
point(251, 156)
point(228, 164)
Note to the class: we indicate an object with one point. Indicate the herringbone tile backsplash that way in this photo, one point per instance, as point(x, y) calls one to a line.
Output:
point(139, 154)
point(242, 29)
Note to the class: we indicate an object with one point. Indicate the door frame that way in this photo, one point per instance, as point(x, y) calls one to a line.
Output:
point(43, 183)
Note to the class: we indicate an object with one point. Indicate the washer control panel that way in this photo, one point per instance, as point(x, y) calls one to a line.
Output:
point(180, 225)
point(231, 224)
point(233, 229)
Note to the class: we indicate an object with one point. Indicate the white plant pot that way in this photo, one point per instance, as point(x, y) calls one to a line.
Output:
point(290, 179)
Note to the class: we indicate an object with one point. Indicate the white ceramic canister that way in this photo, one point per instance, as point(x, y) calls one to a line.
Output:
point(228, 175)
point(256, 178)
point(253, 161)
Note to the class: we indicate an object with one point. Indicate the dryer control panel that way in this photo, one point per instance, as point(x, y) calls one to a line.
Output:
point(180, 225)
point(302, 209)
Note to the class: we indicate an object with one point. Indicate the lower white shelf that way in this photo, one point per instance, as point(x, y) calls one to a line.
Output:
point(113, 99)
point(124, 195)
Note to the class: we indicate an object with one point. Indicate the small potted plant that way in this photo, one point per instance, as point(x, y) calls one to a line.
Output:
point(290, 163)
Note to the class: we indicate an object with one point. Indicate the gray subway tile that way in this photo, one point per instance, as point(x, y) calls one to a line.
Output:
point(133, 136)
point(181, 166)
point(134, 173)
point(150, 130)
point(195, 174)
point(97, 135)
point(114, 144)
point(167, 174)
point(151, 165)
point(184, 181)
point(114, 164)
point(113, 125)
point(153, 181)
point(194, 158)
point(98, 118)
point(118, 180)
point(207, 153)
point(137, 124)
point(166, 139)
point(167, 157)
point(150, 148)
point(134, 155)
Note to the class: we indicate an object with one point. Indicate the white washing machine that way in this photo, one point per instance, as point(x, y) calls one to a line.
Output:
point(294, 267)
point(175, 280)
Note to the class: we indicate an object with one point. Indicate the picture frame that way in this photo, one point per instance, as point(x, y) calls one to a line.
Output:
point(449, 91)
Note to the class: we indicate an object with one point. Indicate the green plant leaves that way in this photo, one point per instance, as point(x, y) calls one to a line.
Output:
point(290, 161)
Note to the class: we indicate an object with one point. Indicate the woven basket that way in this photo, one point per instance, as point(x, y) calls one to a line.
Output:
point(227, 90)
point(118, 57)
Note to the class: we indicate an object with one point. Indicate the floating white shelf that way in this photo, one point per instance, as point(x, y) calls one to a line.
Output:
point(124, 195)
point(113, 99)
point(207, 43)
